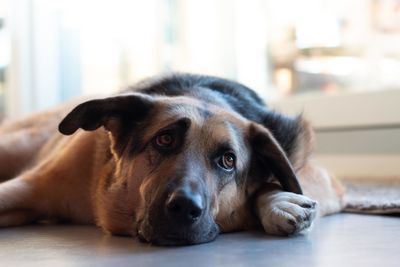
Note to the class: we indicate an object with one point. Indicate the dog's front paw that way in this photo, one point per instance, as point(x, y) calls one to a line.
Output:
point(284, 213)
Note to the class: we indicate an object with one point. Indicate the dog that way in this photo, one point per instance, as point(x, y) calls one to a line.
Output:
point(173, 160)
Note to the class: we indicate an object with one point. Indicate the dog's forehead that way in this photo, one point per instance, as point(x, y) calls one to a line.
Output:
point(199, 112)
point(182, 107)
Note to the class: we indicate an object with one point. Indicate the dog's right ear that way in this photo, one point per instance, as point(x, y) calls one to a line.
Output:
point(269, 155)
point(107, 112)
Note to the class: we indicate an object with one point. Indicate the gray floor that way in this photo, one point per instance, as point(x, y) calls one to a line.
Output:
point(338, 240)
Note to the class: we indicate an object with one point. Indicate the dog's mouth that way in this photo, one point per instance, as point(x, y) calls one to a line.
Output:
point(170, 236)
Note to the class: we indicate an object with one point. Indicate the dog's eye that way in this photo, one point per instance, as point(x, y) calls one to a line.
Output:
point(227, 161)
point(164, 140)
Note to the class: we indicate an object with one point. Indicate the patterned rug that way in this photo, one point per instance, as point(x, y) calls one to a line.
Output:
point(372, 196)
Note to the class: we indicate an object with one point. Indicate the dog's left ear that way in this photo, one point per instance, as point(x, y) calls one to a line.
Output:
point(107, 112)
point(269, 154)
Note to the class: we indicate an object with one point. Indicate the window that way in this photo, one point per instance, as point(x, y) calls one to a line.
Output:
point(334, 46)
point(4, 55)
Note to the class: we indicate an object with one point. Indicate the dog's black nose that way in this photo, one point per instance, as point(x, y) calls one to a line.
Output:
point(184, 206)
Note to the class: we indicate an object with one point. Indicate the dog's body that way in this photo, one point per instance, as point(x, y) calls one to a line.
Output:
point(178, 160)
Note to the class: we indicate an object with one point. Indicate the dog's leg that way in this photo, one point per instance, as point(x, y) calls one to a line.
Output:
point(18, 149)
point(55, 188)
point(284, 213)
point(22, 139)
point(17, 198)
point(318, 184)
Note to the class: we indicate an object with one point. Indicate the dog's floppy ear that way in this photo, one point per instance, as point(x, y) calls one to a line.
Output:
point(106, 112)
point(270, 155)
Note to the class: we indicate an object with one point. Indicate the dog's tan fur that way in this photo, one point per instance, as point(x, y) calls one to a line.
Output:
point(48, 175)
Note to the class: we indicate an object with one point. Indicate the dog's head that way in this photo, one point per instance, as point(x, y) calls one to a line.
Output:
point(182, 170)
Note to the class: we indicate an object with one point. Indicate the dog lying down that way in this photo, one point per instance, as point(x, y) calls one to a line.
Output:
point(173, 160)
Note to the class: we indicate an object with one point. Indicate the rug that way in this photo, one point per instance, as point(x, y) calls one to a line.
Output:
point(372, 196)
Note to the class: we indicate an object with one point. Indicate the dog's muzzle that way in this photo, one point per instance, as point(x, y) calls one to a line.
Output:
point(182, 218)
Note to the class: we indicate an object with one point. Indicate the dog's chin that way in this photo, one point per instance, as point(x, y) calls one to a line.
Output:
point(181, 238)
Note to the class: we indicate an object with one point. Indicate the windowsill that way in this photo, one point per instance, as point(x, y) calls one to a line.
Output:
point(361, 166)
point(345, 110)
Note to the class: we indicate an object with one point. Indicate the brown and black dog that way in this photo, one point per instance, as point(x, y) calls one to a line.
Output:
point(173, 160)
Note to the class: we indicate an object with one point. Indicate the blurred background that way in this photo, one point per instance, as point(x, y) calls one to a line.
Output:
point(336, 61)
